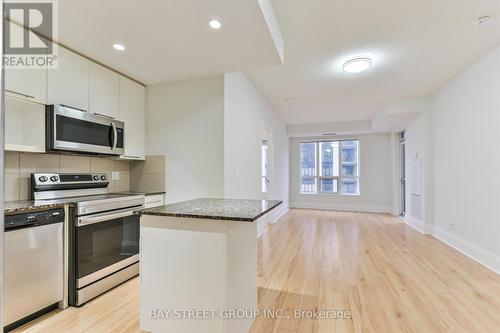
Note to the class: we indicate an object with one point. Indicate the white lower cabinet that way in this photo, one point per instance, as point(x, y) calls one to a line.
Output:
point(154, 200)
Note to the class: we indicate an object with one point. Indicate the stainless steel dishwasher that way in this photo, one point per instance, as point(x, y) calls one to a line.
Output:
point(33, 265)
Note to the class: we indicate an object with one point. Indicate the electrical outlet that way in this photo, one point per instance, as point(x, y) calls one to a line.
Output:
point(115, 175)
point(453, 227)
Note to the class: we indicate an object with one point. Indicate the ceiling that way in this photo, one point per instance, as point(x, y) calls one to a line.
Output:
point(169, 40)
point(416, 45)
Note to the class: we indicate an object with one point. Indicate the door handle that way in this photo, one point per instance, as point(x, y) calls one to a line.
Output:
point(115, 136)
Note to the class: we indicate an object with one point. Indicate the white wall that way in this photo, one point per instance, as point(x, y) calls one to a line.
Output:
point(185, 121)
point(210, 131)
point(246, 112)
point(466, 161)
point(375, 183)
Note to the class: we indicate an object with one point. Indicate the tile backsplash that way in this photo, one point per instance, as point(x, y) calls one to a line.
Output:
point(148, 175)
point(19, 166)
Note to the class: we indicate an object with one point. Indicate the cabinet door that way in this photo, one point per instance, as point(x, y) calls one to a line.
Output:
point(69, 83)
point(104, 91)
point(132, 112)
point(154, 200)
point(27, 84)
point(24, 125)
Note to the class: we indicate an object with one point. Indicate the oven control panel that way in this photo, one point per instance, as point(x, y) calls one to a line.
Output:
point(68, 178)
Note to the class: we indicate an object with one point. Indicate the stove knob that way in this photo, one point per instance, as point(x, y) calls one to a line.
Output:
point(96, 177)
point(43, 179)
point(103, 177)
point(54, 178)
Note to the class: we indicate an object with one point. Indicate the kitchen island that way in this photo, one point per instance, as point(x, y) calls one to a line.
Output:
point(199, 265)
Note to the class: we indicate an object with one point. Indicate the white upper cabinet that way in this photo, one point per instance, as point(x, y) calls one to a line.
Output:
point(27, 84)
point(69, 83)
point(24, 125)
point(132, 112)
point(104, 91)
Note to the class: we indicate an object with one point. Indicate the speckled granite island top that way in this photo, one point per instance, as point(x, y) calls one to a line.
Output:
point(25, 206)
point(215, 209)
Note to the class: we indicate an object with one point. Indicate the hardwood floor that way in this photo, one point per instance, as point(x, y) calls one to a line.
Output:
point(388, 276)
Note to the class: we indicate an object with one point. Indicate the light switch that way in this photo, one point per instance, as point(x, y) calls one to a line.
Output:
point(115, 175)
point(237, 175)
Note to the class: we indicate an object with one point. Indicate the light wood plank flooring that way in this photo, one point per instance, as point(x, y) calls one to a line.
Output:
point(390, 277)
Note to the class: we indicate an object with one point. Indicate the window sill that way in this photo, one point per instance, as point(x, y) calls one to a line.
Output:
point(333, 194)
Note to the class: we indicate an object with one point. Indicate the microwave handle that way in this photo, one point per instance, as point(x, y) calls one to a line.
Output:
point(115, 136)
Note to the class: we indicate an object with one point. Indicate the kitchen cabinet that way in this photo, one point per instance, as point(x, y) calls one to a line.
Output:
point(68, 84)
point(132, 113)
point(154, 200)
point(24, 125)
point(104, 91)
point(29, 84)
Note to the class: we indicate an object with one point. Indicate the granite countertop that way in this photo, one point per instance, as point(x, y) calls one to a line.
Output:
point(25, 206)
point(215, 209)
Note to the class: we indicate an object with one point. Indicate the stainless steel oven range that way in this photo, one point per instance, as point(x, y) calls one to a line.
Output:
point(103, 232)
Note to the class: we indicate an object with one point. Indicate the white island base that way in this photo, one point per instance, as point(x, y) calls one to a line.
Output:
point(190, 264)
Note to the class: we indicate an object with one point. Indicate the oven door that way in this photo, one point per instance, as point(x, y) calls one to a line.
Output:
point(70, 129)
point(105, 244)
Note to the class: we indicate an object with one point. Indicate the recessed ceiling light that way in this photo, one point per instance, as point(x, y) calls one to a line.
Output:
point(289, 100)
point(119, 47)
point(480, 21)
point(215, 24)
point(357, 65)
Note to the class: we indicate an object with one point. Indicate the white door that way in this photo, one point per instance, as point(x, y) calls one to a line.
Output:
point(265, 162)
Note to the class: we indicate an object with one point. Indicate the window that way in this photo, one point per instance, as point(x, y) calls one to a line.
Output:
point(329, 167)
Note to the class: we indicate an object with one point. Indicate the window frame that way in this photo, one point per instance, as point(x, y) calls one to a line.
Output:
point(339, 178)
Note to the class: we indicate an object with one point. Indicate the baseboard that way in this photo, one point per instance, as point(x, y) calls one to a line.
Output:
point(347, 208)
point(480, 255)
point(418, 225)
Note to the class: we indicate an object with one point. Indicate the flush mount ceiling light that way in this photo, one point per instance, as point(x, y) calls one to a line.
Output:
point(215, 24)
point(119, 47)
point(480, 21)
point(357, 65)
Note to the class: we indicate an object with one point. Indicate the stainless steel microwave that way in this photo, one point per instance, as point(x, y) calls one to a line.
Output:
point(74, 130)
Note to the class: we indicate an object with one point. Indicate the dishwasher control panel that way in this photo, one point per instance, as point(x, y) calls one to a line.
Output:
point(34, 219)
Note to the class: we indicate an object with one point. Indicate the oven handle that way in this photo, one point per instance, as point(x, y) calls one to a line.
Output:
point(103, 217)
point(115, 136)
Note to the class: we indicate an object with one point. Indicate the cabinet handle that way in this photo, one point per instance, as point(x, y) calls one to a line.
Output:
point(18, 93)
point(103, 115)
point(131, 156)
point(73, 108)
